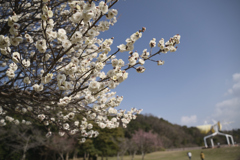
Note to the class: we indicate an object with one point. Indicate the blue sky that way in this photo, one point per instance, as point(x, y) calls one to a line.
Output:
point(201, 81)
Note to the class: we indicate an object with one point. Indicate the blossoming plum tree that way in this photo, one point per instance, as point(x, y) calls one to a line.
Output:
point(52, 65)
point(146, 141)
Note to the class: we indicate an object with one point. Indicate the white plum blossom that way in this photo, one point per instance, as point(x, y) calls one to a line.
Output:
point(54, 55)
point(94, 86)
point(71, 115)
point(103, 26)
point(120, 63)
point(76, 123)
point(26, 63)
point(136, 36)
point(102, 125)
point(112, 13)
point(16, 57)
point(9, 119)
point(145, 54)
point(26, 80)
point(112, 111)
point(99, 66)
point(65, 126)
point(64, 101)
point(140, 69)
point(161, 43)
point(47, 78)
point(152, 43)
point(37, 87)
point(10, 73)
point(103, 7)
point(122, 47)
point(132, 61)
point(41, 117)
point(46, 123)
point(90, 126)
point(49, 134)
point(82, 140)
point(2, 122)
point(4, 41)
point(114, 62)
point(141, 61)
point(160, 62)
point(16, 122)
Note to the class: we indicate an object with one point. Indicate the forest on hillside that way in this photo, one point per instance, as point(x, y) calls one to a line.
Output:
point(145, 134)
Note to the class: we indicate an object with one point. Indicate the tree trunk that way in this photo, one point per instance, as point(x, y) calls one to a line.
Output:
point(143, 154)
point(24, 156)
point(61, 155)
point(67, 156)
point(122, 157)
point(118, 156)
point(85, 154)
point(96, 157)
point(133, 155)
point(25, 149)
point(54, 156)
point(75, 154)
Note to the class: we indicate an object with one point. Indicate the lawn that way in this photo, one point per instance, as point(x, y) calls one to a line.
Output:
point(227, 153)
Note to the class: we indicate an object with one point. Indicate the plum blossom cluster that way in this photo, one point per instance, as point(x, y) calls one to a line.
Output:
point(58, 72)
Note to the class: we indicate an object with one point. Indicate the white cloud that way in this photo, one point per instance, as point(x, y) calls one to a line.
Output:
point(185, 120)
point(236, 77)
point(235, 90)
point(229, 110)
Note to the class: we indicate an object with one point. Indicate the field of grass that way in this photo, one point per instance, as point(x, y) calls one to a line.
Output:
point(226, 153)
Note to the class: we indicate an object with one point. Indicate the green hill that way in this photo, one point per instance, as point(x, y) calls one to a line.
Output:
point(173, 135)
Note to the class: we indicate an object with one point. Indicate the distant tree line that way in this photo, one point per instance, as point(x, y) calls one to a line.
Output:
point(144, 135)
point(171, 135)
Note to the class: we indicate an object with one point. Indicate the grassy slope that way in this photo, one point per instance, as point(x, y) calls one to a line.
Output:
point(228, 153)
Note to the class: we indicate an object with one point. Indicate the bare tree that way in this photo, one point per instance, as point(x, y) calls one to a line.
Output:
point(62, 145)
point(21, 138)
point(132, 148)
point(146, 141)
point(123, 144)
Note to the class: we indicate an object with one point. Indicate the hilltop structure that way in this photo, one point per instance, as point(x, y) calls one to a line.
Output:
point(214, 129)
